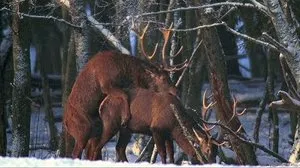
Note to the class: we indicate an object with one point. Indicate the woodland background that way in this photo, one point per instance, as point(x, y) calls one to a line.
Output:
point(45, 43)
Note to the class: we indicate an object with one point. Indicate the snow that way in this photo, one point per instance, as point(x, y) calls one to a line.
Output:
point(64, 162)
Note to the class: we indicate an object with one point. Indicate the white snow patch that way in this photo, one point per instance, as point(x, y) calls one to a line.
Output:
point(64, 162)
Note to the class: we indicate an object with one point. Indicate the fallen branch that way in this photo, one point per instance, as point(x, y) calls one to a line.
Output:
point(108, 35)
point(286, 102)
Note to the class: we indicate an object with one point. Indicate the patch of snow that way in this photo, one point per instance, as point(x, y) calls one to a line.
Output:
point(64, 162)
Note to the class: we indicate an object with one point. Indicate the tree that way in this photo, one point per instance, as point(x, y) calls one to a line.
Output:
point(5, 48)
point(219, 86)
point(21, 110)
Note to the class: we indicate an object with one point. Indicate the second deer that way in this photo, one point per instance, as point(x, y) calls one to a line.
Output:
point(152, 115)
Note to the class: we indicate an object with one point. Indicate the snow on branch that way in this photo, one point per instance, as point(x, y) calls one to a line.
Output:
point(65, 3)
point(233, 32)
point(257, 6)
point(108, 35)
point(286, 102)
point(40, 17)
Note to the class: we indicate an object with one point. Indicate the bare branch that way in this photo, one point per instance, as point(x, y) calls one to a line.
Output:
point(286, 102)
point(250, 38)
point(189, 63)
point(279, 46)
point(41, 17)
point(259, 5)
point(237, 4)
point(198, 27)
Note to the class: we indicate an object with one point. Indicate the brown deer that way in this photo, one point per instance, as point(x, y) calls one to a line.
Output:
point(151, 114)
point(108, 73)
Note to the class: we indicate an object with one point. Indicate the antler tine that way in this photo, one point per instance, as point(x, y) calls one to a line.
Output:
point(238, 130)
point(218, 143)
point(198, 136)
point(204, 106)
point(234, 110)
point(166, 35)
point(141, 37)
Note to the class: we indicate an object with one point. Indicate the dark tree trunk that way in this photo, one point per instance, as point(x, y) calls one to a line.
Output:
point(5, 49)
point(21, 84)
point(69, 78)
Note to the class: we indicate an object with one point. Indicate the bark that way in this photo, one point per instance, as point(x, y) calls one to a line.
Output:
point(219, 86)
point(5, 47)
point(48, 110)
point(69, 79)
point(78, 17)
point(287, 36)
point(273, 112)
point(21, 84)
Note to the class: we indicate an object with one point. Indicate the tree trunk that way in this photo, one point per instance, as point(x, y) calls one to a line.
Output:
point(5, 47)
point(78, 17)
point(69, 78)
point(287, 36)
point(219, 86)
point(48, 110)
point(21, 84)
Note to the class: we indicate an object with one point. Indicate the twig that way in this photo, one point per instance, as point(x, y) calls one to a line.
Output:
point(198, 27)
point(144, 151)
point(189, 63)
point(41, 17)
point(279, 46)
point(259, 113)
point(246, 5)
point(250, 38)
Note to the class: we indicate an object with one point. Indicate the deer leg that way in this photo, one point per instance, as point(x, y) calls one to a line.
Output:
point(90, 148)
point(116, 92)
point(159, 140)
point(123, 141)
point(170, 149)
point(79, 146)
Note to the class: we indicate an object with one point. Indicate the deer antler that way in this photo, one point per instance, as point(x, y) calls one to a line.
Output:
point(234, 111)
point(166, 35)
point(205, 108)
point(141, 37)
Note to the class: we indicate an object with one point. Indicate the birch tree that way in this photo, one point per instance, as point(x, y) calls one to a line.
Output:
point(290, 50)
point(21, 83)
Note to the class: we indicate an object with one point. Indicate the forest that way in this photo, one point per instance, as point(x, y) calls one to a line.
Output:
point(194, 81)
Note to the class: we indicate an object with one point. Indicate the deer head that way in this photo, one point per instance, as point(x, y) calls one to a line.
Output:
point(164, 68)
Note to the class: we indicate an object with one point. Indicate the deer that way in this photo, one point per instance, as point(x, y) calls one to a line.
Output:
point(151, 114)
point(110, 73)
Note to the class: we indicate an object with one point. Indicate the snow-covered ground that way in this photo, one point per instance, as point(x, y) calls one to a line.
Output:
point(40, 155)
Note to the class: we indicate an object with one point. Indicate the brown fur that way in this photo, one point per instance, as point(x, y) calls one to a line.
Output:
point(107, 73)
point(152, 115)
